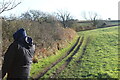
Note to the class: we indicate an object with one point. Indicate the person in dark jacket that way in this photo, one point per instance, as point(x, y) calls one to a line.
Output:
point(18, 58)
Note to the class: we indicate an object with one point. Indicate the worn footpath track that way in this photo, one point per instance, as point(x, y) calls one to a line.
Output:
point(68, 60)
point(84, 49)
point(59, 60)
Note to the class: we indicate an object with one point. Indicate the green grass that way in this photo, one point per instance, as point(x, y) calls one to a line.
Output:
point(100, 59)
point(53, 70)
point(46, 62)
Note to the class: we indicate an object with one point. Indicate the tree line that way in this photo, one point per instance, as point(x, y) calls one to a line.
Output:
point(62, 16)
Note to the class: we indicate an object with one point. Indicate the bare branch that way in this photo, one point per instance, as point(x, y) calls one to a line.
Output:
point(6, 6)
point(93, 17)
point(64, 17)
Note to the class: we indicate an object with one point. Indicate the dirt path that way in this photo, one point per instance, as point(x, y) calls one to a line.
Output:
point(68, 60)
point(59, 60)
point(84, 49)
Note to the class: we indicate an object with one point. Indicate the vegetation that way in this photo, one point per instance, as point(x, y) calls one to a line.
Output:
point(64, 17)
point(100, 59)
point(8, 5)
point(96, 58)
point(93, 17)
point(46, 62)
point(48, 36)
point(86, 25)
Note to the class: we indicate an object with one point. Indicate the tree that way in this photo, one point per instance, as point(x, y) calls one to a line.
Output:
point(38, 16)
point(64, 17)
point(8, 5)
point(92, 17)
point(34, 15)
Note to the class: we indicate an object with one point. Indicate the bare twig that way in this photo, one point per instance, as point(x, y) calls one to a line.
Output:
point(6, 6)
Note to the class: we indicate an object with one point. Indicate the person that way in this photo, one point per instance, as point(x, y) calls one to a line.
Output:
point(18, 57)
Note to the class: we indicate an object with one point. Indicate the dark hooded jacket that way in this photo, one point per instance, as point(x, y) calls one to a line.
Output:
point(18, 58)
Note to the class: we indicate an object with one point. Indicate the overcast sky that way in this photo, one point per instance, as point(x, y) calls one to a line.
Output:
point(105, 8)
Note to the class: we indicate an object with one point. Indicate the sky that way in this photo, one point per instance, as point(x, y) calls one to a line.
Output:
point(104, 8)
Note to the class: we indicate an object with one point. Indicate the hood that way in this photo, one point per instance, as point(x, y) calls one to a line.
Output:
point(21, 37)
point(19, 34)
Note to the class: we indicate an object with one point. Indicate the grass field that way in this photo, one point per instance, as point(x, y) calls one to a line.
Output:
point(100, 59)
point(97, 57)
point(46, 62)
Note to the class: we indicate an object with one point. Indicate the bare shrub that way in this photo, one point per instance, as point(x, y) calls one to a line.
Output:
point(48, 37)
